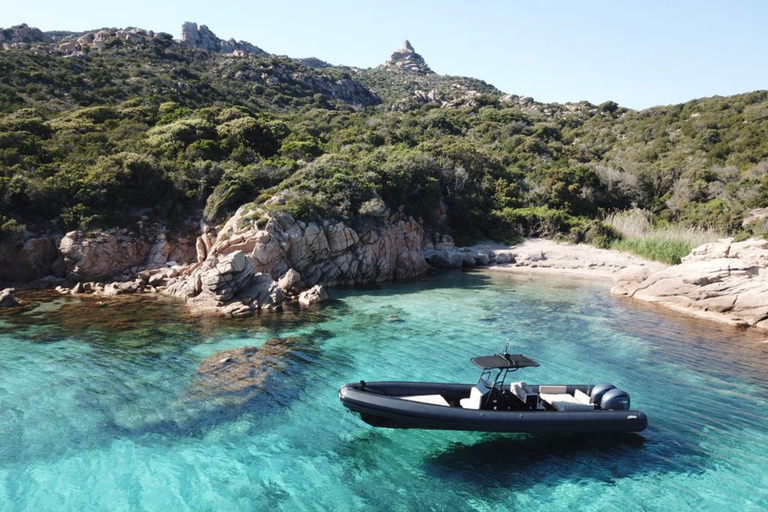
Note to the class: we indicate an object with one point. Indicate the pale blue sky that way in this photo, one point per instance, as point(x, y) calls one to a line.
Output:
point(638, 53)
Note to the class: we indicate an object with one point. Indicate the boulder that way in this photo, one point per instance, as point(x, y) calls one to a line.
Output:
point(122, 288)
point(7, 300)
point(482, 259)
point(312, 296)
point(724, 281)
point(289, 281)
point(629, 279)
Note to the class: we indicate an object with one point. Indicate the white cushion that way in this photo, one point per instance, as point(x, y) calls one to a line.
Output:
point(473, 402)
point(552, 390)
point(427, 399)
point(565, 402)
point(581, 396)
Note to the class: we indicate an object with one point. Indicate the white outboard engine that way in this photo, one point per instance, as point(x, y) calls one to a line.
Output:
point(596, 396)
point(615, 399)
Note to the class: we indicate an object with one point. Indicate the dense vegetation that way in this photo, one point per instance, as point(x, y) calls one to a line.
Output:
point(163, 131)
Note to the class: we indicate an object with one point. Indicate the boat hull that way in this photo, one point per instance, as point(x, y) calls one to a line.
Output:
point(381, 404)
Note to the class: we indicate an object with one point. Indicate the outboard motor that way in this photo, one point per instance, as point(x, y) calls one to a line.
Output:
point(596, 396)
point(615, 399)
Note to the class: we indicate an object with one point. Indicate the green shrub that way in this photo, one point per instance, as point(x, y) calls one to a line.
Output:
point(10, 229)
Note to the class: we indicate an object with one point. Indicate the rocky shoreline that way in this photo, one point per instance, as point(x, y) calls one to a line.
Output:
point(725, 281)
point(260, 262)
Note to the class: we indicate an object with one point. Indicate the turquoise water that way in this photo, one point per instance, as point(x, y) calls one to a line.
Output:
point(97, 413)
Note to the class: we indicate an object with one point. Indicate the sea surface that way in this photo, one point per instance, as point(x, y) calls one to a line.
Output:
point(101, 409)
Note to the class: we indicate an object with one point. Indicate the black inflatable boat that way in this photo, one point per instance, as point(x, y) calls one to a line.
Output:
point(492, 405)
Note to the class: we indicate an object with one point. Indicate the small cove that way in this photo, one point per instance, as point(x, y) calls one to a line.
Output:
point(97, 414)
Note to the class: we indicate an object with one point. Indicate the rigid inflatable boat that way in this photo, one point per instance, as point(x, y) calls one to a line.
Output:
point(492, 405)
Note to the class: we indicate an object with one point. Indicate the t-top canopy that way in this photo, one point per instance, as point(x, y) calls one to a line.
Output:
point(503, 361)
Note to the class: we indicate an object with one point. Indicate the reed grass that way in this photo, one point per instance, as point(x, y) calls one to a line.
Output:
point(668, 244)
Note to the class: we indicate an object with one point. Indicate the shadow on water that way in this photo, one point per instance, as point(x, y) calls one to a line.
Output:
point(435, 280)
point(520, 461)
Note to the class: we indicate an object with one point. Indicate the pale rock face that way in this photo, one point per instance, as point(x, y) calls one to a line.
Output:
point(327, 253)
point(724, 281)
point(312, 296)
point(94, 257)
point(101, 256)
point(200, 36)
point(407, 60)
point(289, 281)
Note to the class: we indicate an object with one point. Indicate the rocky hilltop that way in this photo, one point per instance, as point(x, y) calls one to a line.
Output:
point(200, 36)
point(406, 60)
point(22, 37)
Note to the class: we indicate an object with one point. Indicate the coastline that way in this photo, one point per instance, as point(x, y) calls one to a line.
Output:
point(537, 255)
point(725, 282)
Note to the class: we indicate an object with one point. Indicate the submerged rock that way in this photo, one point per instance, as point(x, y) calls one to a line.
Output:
point(239, 373)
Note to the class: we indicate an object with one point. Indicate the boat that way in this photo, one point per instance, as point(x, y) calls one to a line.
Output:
point(493, 405)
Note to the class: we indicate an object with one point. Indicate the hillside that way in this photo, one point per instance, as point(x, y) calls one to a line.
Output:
point(105, 128)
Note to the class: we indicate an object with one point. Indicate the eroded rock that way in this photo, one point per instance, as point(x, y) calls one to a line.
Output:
point(312, 296)
point(299, 254)
point(724, 281)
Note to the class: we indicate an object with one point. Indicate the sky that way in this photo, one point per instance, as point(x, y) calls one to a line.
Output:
point(638, 53)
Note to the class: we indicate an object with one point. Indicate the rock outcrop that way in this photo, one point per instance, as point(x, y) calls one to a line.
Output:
point(7, 300)
point(200, 36)
point(240, 273)
point(108, 254)
point(725, 281)
point(406, 60)
point(20, 36)
point(312, 296)
point(75, 45)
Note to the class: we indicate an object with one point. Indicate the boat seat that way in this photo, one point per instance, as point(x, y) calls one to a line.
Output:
point(581, 396)
point(558, 398)
point(428, 399)
point(529, 398)
point(474, 400)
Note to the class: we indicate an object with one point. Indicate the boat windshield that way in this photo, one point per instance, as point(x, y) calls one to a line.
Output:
point(504, 363)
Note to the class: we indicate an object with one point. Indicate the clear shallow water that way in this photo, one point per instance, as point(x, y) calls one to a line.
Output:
point(96, 412)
